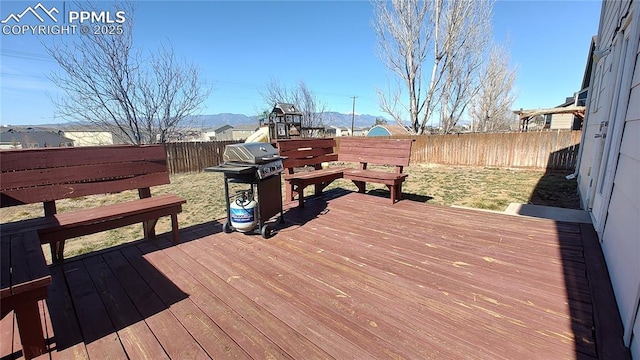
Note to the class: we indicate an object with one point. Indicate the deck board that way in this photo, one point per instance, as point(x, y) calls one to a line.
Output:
point(348, 276)
point(135, 335)
point(97, 330)
point(67, 342)
point(397, 299)
point(194, 315)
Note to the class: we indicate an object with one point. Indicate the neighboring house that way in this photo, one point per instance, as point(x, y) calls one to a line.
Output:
point(87, 136)
point(10, 145)
point(609, 163)
point(33, 137)
point(220, 133)
point(336, 131)
point(207, 135)
point(223, 133)
point(241, 132)
point(387, 130)
point(567, 121)
point(360, 131)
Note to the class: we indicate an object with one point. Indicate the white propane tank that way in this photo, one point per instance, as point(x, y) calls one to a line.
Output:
point(243, 212)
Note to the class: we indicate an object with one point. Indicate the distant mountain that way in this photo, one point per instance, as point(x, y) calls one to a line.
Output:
point(216, 120)
point(329, 118)
point(359, 120)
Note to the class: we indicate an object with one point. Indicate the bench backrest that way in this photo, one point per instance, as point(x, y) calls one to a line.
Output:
point(375, 151)
point(49, 174)
point(307, 152)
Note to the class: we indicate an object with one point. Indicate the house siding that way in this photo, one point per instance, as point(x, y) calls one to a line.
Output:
point(561, 121)
point(89, 138)
point(619, 236)
point(621, 243)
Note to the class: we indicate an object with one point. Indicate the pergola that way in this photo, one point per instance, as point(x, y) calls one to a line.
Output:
point(527, 115)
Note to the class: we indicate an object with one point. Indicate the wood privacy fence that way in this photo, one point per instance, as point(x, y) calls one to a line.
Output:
point(551, 150)
point(194, 156)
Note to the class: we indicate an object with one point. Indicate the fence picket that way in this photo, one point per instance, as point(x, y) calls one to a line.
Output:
point(194, 156)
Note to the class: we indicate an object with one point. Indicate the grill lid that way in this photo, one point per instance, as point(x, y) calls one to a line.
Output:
point(251, 153)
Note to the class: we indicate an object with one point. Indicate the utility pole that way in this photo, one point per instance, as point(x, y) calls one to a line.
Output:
point(353, 113)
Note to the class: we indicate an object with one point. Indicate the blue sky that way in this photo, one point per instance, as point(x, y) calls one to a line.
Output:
point(241, 45)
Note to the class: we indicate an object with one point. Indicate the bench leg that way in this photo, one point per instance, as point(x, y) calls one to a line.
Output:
point(319, 188)
point(298, 190)
point(174, 229)
point(149, 229)
point(361, 185)
point(57, 251)
point(393, 193)
point(288, 191)
point(396, 192)
point(30, 327)
point(301, 198)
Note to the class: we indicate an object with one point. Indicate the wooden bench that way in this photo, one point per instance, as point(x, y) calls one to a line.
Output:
point(50, 174)
point(24, 278)
point(303, 166)
point(365, 151)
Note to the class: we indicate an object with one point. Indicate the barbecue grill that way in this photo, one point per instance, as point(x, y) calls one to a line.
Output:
point(260, 166)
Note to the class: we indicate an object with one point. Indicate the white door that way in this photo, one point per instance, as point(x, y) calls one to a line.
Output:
point(611, 129)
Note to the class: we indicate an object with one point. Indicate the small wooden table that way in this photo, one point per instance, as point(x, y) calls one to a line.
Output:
point(25, 278)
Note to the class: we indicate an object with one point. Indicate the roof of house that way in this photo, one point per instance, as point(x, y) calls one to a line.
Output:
point(586, 79)
point(83, 128)
point(387, 130)
point(222, 128)
point(31, 135)
point(246, 127)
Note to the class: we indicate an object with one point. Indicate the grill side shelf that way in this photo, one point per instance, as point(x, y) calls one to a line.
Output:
point(232, 169)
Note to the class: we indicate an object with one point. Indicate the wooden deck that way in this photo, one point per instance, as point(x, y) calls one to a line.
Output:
point(350, 276)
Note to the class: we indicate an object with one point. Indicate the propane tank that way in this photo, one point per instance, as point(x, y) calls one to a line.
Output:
point(243, 211)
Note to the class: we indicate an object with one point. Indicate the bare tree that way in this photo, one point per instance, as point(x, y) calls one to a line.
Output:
point(464, 57)
point(301, 96)
point(110, 85)
point(403, 34)
point(450, 34)
point(491, 107)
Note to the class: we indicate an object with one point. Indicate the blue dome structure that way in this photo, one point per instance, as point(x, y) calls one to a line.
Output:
point(387, 130)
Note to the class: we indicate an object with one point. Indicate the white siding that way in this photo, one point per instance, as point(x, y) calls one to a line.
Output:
point(89, 138)
point(561, 121)
point(620, 237)
point(621, 243)
point(591, 127)
point(601, 94)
